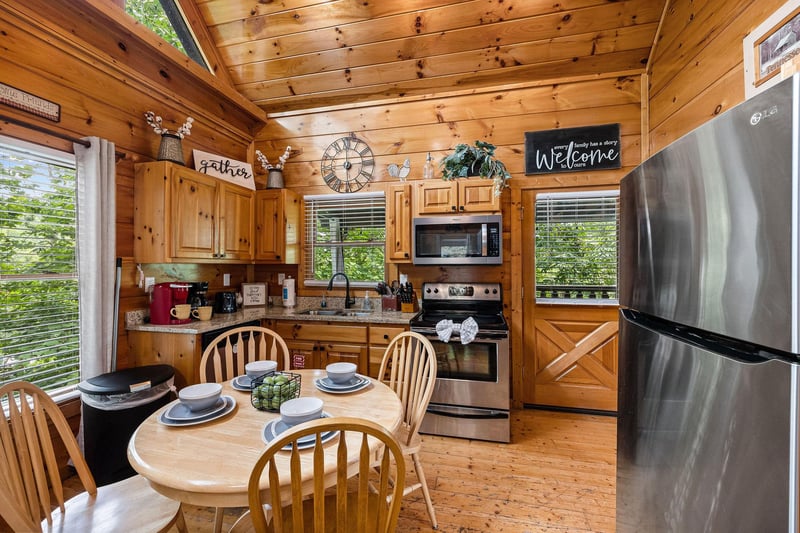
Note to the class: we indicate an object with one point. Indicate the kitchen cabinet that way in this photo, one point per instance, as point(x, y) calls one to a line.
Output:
point(398, 223)
point(277, 227)
point(379, 339)
point(181, 215)
point(463, 195)
point(317, 344)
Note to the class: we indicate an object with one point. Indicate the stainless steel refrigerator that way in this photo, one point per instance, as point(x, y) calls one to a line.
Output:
point(707, 435)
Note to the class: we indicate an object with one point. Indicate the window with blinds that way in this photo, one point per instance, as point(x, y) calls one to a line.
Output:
point(345, 233)
point(39, 332)
point(577, 245)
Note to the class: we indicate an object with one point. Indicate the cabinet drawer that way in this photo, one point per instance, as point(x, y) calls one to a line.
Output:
point(322, 331)
point(383, 334)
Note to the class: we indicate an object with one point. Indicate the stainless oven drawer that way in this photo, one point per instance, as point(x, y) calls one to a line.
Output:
point(467, 423)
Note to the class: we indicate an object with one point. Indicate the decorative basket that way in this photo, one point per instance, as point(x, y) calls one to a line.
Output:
point(272, 389)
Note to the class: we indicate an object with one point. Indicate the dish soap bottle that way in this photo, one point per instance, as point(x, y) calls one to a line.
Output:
point(427, 170)
point(366, 305)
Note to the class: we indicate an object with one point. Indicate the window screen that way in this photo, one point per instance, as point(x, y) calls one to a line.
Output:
point(345, 233)
point(576, 245)
point(39, 332)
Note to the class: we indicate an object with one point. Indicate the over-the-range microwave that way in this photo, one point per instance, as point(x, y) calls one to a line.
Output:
point(457, 240)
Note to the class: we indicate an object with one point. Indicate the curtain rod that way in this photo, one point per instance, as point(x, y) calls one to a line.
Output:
point(42, 129)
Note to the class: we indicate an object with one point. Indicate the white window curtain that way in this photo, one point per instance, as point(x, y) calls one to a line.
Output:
point(96, 206)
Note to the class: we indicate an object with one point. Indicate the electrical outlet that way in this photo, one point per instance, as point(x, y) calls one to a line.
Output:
point(226, 280)
point(280, 278)
point(148, 284)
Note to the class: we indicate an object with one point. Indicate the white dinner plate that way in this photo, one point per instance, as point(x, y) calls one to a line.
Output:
point(275, 427)
point(363, 385)
point(230, 404)
point(180, 412)
point(242, 383)
point(357, 381)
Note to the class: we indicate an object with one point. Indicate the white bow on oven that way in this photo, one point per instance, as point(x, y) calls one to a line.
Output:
point(466, 330)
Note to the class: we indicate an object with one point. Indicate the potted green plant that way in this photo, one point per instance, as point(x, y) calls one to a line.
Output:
point(476, 160)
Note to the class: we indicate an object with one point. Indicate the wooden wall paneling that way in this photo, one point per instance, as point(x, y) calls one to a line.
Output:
point(70, 78)
point(459, 50)
point(499, 102)
point(341, 23)
point(697, 69)
point(708, 64)
point(628, 62)
point(117, 42)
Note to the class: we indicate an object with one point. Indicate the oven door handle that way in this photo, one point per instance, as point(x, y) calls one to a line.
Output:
point(481, 336)
point(473, 414)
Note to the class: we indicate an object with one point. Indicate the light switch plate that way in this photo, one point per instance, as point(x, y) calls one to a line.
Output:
point(148, 283)
point(226, 280)
point(281, 278)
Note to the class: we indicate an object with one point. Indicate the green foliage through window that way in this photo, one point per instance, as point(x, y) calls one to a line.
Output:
point(167, 21)
point(576, 245)
point(39, 331)
point(346, 233)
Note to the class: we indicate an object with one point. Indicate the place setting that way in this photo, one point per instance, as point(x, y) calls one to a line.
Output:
point(253, 370)
point(341, 379)
point(197, 404)
point(294, 412)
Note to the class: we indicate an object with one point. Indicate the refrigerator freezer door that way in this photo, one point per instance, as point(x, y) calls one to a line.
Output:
point(703, 440)
point(706, 225)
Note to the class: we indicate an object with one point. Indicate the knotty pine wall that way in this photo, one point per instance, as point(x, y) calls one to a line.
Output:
point(100, 80)
point(396, 130)
point(697, 71)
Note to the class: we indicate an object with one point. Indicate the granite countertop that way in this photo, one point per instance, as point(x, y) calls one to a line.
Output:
point(135, 321)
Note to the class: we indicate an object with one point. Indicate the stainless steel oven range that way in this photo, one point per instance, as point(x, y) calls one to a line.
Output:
point(471, 397)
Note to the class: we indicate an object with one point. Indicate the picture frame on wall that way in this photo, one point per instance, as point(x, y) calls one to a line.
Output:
point(771, 44)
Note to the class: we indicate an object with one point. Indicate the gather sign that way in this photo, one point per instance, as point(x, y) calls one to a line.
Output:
point(572, 149)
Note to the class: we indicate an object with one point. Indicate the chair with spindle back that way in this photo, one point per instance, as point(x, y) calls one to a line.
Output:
point(409, 368)
point(227, 355)
point(353, 504)
point(30, 481)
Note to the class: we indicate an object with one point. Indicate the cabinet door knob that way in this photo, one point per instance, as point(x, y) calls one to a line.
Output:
point(386, 337)
point(405, 254)
point(461, 208)
point(453, 208)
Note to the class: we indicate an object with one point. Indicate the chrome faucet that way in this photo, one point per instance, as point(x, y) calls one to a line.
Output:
point(347, 301)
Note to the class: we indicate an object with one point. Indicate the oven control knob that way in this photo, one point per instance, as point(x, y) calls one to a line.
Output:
point(428, 290)
point(436, 291)
point(494, 291)
point(486, 291)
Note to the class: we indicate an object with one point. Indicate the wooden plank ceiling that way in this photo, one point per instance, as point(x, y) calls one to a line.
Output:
point(303, 54)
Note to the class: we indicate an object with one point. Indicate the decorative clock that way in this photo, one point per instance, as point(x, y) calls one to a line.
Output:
point(347, 164)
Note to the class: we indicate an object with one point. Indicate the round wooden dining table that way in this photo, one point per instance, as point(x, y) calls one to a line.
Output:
point(209, 464)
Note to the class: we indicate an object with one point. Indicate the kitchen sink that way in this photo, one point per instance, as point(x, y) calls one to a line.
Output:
point(321, 312)
point(334, 312)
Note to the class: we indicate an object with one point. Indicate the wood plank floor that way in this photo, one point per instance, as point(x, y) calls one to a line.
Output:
point(557, 475)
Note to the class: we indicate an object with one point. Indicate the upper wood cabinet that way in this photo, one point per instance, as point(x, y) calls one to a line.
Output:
point(398, 223)
point(464, 195)
point(181, 215)
point(277, 226)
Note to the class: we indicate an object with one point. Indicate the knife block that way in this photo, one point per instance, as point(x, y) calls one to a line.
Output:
point(410, 307)
point(390, 302)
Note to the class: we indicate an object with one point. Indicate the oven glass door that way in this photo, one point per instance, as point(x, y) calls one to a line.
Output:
point(472, 375)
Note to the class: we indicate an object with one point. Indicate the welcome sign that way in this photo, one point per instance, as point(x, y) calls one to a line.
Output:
point(572, 149)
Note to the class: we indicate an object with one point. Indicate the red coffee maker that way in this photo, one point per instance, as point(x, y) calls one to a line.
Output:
point(165, 297)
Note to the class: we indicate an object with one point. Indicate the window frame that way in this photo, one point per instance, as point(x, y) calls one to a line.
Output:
point(67, 159)
point(307, 268)
point(584, 294)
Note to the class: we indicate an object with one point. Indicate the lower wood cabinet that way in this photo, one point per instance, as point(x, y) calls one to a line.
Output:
point(379, 339)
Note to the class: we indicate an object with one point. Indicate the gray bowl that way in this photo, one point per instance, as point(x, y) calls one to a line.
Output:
point(201, 396)
point(341, 373)
point(299, 410)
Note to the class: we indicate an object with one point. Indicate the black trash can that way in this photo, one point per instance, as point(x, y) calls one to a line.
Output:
point(114, 405)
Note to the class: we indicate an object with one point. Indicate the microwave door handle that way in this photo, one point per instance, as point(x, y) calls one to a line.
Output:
point(484, 240)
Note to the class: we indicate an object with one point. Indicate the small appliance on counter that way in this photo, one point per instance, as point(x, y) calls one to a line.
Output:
point(166, 296)
point(197, 294)
point(225, 302)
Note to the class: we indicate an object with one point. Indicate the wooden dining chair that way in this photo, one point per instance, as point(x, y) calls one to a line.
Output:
point(227, 355)
point(30, 481)
point(409, 369)
point(353, 503)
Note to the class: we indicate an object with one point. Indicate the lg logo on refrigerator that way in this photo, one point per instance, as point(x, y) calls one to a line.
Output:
point(758, 116)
